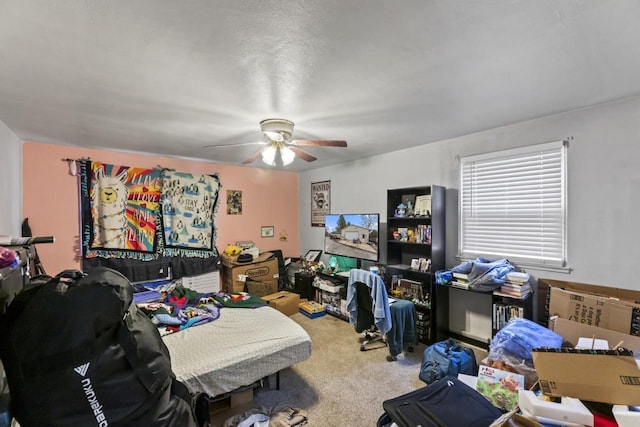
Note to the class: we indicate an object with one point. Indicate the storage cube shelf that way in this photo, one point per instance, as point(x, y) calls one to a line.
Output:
point(415, 243)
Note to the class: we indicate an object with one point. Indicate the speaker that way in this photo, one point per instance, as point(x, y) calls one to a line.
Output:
point(303, 285)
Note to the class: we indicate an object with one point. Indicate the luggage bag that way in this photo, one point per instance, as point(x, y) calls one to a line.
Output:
point(76, 351)
point(447, 358)
point(447, 402)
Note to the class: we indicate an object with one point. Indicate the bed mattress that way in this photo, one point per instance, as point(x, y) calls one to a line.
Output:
point(242, 346)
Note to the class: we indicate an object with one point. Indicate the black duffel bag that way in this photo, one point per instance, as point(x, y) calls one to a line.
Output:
point(447, 402)
point(77, 352)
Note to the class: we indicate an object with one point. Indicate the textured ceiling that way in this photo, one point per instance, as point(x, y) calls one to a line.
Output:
point(169, 77)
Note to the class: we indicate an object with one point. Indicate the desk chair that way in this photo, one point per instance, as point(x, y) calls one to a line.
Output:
point(365, 321)
point(368, 305)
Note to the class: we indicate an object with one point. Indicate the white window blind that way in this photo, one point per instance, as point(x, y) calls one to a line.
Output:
point(513, 205)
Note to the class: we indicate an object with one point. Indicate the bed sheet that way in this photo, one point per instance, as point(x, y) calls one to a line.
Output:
point(239, 348)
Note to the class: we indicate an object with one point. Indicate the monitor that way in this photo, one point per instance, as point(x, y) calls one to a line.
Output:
point(352, 235)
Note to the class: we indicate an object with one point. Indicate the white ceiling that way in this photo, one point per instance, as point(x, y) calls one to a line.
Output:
point(169, 77)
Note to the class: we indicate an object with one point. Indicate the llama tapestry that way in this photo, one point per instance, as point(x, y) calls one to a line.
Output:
point(123, 206)
point(188, 208)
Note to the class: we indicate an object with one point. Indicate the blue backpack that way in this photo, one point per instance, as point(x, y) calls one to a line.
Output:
point(447, 358)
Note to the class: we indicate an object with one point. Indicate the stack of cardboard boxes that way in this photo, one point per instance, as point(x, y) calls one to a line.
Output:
point(259, 276)
point(577, 310)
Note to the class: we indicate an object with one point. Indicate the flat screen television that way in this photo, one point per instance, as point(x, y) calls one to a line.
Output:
point(352, 235)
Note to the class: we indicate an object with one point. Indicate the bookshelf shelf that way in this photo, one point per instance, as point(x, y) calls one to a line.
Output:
point(415, 234)
point(505, 307)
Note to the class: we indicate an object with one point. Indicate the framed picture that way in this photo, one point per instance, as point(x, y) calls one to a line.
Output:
point(423, 205)
point(313, 255)
point(267, 231)
point(234, 202)
point(320, 202)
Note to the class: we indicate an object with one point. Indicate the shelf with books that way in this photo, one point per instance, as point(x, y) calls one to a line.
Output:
point(506, 307)
point(416, 249)
point(409, 233)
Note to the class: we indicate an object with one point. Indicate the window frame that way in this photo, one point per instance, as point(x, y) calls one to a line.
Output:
point(539, 260)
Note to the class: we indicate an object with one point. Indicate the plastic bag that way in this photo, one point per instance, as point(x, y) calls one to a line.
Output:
point(519, 336)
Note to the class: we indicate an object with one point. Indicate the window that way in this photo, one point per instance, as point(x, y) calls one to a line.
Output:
point(513, 205)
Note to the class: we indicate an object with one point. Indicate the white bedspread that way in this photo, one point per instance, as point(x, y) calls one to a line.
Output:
point(239, 348)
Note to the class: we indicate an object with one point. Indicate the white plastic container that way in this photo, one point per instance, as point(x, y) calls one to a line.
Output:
point(626, 416)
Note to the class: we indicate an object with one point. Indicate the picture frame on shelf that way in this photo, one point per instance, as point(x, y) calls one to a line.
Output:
point(425, 264)
point(313, 255)
point(415, 264)
point(267, 231)
point(423, 205)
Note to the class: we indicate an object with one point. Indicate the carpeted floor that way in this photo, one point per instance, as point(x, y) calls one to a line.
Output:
point(339, 385)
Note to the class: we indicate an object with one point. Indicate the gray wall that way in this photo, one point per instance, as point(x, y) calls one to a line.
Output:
point(603, 190)
point(10, 182)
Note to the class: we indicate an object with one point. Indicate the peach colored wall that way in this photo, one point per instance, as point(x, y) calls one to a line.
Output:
point(50, 200)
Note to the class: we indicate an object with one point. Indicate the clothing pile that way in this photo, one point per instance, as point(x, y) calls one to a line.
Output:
point(175, 308)
point(8, 258)
point(485, 275)
point(279, 416)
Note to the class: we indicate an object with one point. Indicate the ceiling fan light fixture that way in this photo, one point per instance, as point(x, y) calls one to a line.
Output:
point(269, 155)
point(287, 155)
point(281, 127)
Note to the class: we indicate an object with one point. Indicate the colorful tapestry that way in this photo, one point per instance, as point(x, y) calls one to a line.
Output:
point(188, 209)
point(124, 210)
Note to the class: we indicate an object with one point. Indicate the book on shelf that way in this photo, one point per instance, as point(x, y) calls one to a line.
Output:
point(459, 285)
point(519, 290)
point(500, 387)
point(502, 313)
point(518, 277)
point(461, 276)
point(510, 294)
point(423, 234)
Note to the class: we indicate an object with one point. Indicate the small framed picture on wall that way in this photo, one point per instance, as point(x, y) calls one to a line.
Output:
point(267, 231)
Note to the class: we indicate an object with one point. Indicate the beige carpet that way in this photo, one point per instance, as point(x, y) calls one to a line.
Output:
point(339, 385)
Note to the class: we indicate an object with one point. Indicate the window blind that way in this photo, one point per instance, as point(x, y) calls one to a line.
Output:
point(513, 205)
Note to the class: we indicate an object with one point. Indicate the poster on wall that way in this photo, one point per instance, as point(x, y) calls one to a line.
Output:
point(234, 202)
point(320, 202)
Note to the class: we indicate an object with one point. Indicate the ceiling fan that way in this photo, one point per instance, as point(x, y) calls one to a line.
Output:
point(280, 149)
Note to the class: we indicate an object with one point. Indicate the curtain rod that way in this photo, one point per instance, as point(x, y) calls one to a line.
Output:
point(72, 163)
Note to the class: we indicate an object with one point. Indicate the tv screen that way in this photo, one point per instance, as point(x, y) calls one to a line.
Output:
point(352, 235)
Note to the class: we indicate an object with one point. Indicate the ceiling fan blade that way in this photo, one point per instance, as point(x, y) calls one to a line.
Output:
point(302, 154)
point(309, 143)
point(254, 157)
point(235, 145)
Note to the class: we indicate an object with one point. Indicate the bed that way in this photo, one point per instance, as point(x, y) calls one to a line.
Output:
point(241, 347)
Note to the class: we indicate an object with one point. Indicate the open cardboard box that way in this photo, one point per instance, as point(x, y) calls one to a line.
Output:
point(596, 305)
point(589, 375)
point(596, 310)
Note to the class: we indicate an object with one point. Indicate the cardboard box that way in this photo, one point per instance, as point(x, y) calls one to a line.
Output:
point(603, 306)
point(261, 289)
point(595, 310)
point(589, 375)
point(283, 301)
point(234, 275)
point(311, 309)
point(572, 331)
